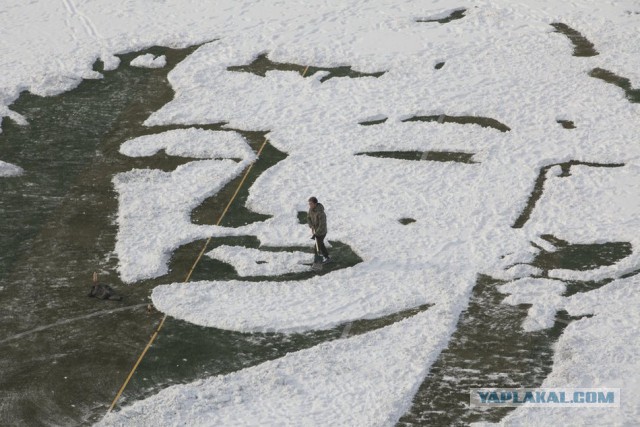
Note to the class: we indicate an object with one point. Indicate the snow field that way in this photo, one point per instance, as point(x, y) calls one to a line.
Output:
point(502, 61)
point(463, 212)
point(301, 388)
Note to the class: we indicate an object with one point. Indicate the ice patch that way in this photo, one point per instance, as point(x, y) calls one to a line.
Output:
point(111, 62)
point(149, 61)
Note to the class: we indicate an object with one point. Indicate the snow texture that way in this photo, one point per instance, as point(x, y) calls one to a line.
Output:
point(155, 206)
point(305, 383)
point(197, 143)
point(148, 60)
point(254, 262)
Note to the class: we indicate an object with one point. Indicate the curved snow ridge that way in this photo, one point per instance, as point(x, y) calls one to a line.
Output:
point(319, 303)
point(9, 170)
point(368, 379)
point(256, 262)
point(154, 208)
point(192, 142)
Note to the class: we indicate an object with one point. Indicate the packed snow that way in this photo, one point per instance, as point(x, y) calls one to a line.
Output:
point(503, 61)
point(148, 60)
point(155, 206)
point(302, 387)
point(194, 142)
point(338, 298)
point(254, 262)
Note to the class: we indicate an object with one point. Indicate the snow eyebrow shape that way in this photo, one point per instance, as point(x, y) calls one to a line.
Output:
point(446, 17)
point(435, 156)
point(581, 45)
point(486, 122)
point(193, 143)
point(262, 64)
point(373, 121)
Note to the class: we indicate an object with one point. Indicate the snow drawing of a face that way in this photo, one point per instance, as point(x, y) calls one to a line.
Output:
point(431, 173)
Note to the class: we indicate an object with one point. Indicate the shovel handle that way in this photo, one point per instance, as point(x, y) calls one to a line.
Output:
point(316, 239)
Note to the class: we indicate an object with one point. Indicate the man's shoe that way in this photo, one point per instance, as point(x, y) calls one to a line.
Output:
point(327, 260)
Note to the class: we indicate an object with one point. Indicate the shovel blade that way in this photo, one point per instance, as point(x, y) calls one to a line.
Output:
point(317, 263)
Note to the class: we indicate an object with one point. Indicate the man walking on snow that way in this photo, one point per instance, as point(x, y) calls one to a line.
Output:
point(318, 222)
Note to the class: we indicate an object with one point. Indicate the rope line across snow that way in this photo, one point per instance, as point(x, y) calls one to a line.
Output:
point(187, 278)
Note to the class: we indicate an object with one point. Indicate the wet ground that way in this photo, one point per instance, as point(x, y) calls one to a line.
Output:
point(63, 355)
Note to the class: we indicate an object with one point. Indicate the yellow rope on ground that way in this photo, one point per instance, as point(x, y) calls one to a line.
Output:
point(204, 248)
point(133, 370)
